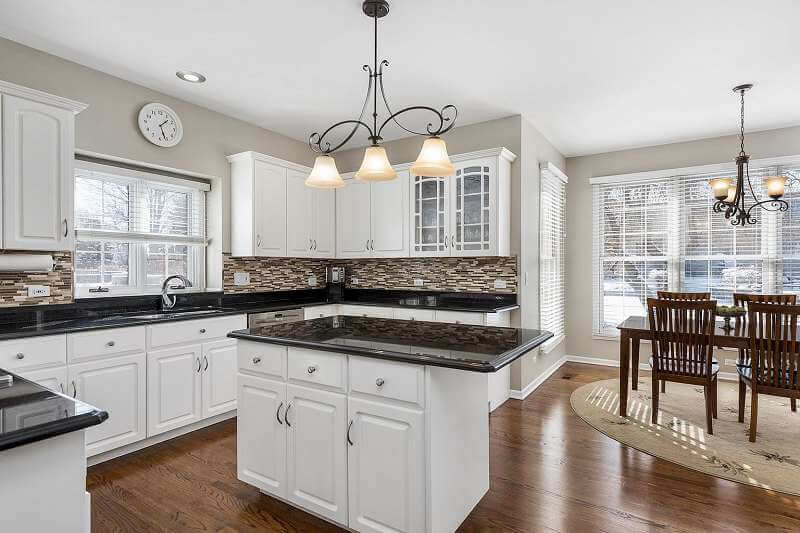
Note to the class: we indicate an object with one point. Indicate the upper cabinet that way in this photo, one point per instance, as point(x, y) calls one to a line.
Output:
point(468, 213)
point(38, 146)
point(372, 218)
point(310, 218)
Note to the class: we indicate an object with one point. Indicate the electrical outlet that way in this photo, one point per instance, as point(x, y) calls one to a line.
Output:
point(312, 281)
point(37, 291)
point(241, 278)
point(354, 280)
point(730, 362)
point(500, 284)
point(419, 282)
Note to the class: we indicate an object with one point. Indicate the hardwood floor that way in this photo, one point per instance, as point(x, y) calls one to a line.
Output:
point(550, 471)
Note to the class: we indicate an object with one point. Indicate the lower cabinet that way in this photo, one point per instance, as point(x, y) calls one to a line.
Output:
point(219, 377)
point(52, 378)
point(116, 385)
point(386, 467)
point(316, 458)
point(174, 388)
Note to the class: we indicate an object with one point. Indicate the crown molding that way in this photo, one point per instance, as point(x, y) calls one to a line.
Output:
point(40, 96)
point(256, 156)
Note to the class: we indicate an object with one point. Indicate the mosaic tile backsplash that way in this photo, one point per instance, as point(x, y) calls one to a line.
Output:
point(459, 274)
point(13, 285)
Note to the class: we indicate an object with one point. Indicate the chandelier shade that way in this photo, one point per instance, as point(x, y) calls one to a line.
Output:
point(719, 187)
point(324, 175)
point(776, 186)
point(375, 166)
point(433, 160)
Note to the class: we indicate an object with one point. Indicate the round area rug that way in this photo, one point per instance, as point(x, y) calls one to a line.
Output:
point(772, 462)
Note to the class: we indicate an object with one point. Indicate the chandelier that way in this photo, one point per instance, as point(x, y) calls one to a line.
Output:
point(432, 160)
point(732, 198)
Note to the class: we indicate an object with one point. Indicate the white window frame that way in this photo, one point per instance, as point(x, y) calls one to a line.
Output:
point(552, 177)
point(138, 240)
point(770, 233)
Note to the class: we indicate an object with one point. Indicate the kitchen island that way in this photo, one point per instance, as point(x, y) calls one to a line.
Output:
point(373, 424)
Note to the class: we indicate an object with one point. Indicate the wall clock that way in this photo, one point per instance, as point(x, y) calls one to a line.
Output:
point(160, 125)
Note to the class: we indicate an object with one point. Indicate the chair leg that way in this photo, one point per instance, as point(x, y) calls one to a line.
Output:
point(794, 404)
point(742, 393)
point(664, 386)
point(753, 415)
point(635, 364)
point(714, 397)
point(654, 416)
point(709, 409)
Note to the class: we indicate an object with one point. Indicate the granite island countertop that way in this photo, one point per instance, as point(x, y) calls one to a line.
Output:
point(460, 346)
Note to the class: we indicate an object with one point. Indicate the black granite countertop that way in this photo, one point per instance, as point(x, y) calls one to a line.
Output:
point(465, 347)
point(56, 413)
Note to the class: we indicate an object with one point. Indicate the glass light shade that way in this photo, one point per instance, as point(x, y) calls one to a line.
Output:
point(324, 175)
point(731, 194)
point(719, 187)
point(433, 160)
point(376, 166)
point(776, 186)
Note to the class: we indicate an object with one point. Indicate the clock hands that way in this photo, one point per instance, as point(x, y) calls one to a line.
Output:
point(161, 127)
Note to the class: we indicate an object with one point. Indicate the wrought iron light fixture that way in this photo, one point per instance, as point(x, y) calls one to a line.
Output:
point(732, 198)
point(433, 159)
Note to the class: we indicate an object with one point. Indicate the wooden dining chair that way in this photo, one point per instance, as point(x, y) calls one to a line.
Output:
point(774, 357)
point(682, 336)
point(691, 296)
point(741, 299)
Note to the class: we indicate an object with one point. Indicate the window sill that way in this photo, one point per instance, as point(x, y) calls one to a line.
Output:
point(83, 294)
point(552, 344)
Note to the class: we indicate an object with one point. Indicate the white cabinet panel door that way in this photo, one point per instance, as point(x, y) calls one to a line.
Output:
point(386, 468)
point(219, 377)
point(353, 219)
point(270, 209)
point(299, 216)
point(324, 231)
point(173, 388)
point(116, 385)
point(52, 378)
point(37, 154)
point(316, 454)
point(430, 216)
point(473, 208)
point(261, 434)
point(389, 217)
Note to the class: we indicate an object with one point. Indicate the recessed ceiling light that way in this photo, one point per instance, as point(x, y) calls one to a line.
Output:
point(190, 76)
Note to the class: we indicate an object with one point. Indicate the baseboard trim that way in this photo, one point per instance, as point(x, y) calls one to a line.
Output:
point(156, 439)
point(533, 385)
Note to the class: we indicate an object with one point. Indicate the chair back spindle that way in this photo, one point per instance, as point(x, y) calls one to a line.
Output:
point(682, 334)
point(774, 347)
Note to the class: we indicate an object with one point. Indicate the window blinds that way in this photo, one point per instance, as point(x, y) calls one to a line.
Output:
point(552, 253)
point(661, 233)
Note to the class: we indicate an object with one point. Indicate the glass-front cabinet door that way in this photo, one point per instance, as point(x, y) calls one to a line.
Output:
point(430, 222)
point(473, 205)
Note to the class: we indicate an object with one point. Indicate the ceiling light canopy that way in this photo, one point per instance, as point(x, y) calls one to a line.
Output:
point(433, 159)
point(190, 76)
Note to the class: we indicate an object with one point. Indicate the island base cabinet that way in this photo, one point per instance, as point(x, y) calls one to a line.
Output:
point(386, 468)
point(173, 388)
point(316, 423)
point(261, 434)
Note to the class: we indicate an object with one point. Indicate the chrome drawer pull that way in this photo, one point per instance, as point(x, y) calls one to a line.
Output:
point(312, 369)
point(20, 355)
point(379, 382)
point(202, 330)
point(256, 360)
point(110, 344)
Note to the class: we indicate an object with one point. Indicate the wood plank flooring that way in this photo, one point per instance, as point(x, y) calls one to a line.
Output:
point(550, 472)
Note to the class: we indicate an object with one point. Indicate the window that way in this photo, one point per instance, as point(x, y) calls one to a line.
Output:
point(552, 253)
point(660, 233)
point(134, 229)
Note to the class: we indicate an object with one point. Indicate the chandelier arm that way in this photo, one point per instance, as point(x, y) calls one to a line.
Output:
point(750, 185)
point(386, 101)
point(430, 130)
point(775, 205)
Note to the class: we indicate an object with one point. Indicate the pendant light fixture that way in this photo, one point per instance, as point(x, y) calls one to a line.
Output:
point(433, 159)
point(731, 198)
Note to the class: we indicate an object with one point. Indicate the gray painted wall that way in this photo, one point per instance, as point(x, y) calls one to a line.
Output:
point(771, 143)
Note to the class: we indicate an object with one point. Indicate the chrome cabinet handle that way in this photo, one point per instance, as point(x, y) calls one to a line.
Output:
point(202, 330)
point(278, 414)
point(20, 355)
point(258, 241)
point(110, 344)
point(198, 365)
point(66, 228)
point(205, 358)
point(286, 414)
point(256, 360)
point(312, 369)
point(61, 387)
point(349, 427)
point(366, 246)
point(74, 389)
point(315, 244)
point(372, 244)
point(310, 244)
point(379, 382)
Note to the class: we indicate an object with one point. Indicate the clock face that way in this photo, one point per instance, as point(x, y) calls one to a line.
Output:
point(160, 125)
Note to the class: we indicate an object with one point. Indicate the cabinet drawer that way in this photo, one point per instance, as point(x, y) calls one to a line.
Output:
point(191, 331)
point(387, 379)
point(262, 358)
point(93, 344)
point(414, 314)
point(367, 310)
point(318, 367)
point(320, 311)
point(459, 317)
point(33, 352)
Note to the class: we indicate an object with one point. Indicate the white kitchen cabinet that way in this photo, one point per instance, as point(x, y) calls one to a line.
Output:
point(353, 219)
point(320, 311)
point(219, 377)
point(316, 454)
point(53, 378)
point(310, 218)
point(261, 434)
point(460, 317)
point(116, 385)
point(370, 311)
point(467, 214)
point(386, 467)
point(174, 388)
point(38, 146)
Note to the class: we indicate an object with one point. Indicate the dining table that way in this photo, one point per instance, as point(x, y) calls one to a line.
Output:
point(634, 329)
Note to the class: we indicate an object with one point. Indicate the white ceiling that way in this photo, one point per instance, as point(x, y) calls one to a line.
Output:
point(592, 76)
